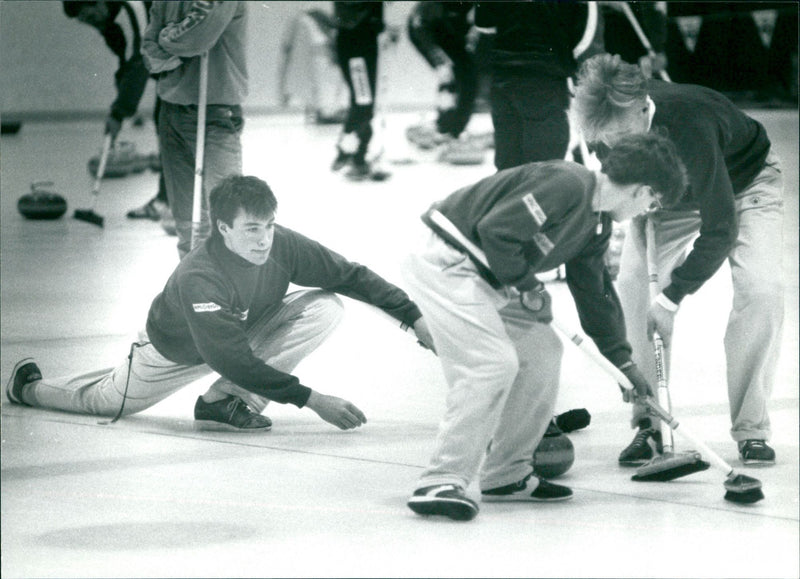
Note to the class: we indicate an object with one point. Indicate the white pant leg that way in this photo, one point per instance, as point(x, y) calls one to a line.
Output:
point(755, 324)
point(478, 348)
point(152, 378)
point(285, 336)
point(531, 402)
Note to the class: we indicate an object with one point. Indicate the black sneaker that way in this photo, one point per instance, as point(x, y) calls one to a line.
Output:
point(544, 493)
point(151, 210)
point(25, 372)
point(643, 447)
point(447, 500)
point(230, 413)
point(756, 452)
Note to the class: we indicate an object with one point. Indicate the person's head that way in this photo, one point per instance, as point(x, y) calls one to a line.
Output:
point(647, 166)
point(610, 100)
point(92, 13)
point(242, 211)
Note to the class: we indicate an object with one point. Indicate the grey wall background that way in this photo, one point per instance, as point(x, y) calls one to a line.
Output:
point(52, 66)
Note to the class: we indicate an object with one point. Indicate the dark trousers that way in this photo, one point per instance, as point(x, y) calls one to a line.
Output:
point(357, 53)
point(529, 117)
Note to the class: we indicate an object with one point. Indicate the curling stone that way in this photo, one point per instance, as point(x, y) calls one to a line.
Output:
point(42, 202)
point(554, 456)
point(122, 161)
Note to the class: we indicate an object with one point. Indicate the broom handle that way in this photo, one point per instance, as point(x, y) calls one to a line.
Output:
point(662, 385)
point(642, 36)
point(101, 168)
point(197, 199)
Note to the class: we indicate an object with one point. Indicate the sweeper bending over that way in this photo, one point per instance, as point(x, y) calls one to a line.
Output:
point(476, 283)
point(733, 209)
point(226, 309)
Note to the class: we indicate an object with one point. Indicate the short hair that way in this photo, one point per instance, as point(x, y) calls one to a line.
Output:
point(236, 192)
point(650, 159)
point(605, 90)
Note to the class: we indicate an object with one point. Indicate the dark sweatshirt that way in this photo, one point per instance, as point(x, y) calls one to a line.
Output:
point(533, 218)
point(214, 296)
point(723, 150)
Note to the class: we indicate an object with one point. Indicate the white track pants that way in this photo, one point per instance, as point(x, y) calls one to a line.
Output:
point(753, 336)
point(502, 368)
point(282, 338)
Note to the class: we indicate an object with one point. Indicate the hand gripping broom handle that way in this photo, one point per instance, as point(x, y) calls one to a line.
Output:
point(197, 199)
point(642, 36)
point(662, 386)
point(620, 377)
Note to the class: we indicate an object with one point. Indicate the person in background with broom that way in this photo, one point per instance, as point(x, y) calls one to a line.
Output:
point(178, 34)
point(733, 209)
point(121, 24)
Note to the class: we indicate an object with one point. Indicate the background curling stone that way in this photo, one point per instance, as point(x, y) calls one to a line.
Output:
point(42, 202)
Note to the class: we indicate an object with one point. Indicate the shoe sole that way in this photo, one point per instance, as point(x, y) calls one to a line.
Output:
point(521, 499)
point(214, 426)
point(10, 383)
point(458, 510)
point(757, 462)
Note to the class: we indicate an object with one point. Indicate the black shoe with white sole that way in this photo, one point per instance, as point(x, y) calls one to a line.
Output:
point(25, 372)
point(231, 414)
point(545, 492)
point(447, 500)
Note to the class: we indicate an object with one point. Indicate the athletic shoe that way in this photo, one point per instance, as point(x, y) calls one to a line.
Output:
point(25, 372)
point(643, 447)
point(446, 500)
point(518, 492)
point(756, 452)
point(151, 210)
point(230, 413)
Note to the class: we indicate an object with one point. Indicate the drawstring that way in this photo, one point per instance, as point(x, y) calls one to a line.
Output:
point(127, 381)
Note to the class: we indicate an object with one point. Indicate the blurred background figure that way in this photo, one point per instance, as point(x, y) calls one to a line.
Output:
point(122, 24)
point(619, 35)
point(443, 34)
point(358, 26)
point(178, 34)
point(535, 52)
point(309, 69)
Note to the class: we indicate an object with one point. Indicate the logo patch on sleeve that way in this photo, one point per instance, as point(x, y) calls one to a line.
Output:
point(543, 243)
point(539, 216)
point(207, 307)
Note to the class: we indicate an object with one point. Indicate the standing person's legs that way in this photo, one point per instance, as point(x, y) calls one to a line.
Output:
point(753, 336)
point(477, 356)
point(177, 127)
point(506, 122)
point(531, 402)
point(285, 336)
point(178, 141)
point(150, 378)
point(357, 53)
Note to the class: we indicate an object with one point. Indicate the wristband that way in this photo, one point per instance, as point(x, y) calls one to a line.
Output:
point(666, 303)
